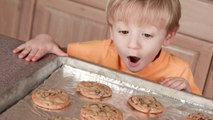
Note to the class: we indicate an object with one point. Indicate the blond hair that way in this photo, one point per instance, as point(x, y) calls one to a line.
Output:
point(165, 13)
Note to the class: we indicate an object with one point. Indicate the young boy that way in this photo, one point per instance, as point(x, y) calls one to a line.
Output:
point(138, 29)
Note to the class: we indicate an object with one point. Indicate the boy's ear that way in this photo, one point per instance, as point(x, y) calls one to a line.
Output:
point(169, 37)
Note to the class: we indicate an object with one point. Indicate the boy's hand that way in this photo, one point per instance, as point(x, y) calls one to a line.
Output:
point(177, 83)
point(38, 47)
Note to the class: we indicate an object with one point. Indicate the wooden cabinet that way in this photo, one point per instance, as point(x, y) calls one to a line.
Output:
point(197, 19)
point(16, 18)
point(209, 83)
point(77, 20)
point(69, 21)
point(197, 22)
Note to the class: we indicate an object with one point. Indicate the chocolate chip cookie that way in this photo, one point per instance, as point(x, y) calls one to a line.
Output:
point(146, 104)
point(51, 98)
point(93, 90)
point(61, 118)
point(100, 111)
point(197, 116)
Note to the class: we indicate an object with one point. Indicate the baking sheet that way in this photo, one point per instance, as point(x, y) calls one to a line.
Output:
point(71, 71)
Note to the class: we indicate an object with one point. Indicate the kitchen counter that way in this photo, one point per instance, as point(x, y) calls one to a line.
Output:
point(15, 73)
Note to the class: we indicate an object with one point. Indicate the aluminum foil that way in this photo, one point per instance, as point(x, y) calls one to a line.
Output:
point(71, 71)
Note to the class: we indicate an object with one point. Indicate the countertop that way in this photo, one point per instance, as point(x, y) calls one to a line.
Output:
point(15, 72)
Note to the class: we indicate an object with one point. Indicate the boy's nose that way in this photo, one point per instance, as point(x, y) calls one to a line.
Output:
point(134, 44)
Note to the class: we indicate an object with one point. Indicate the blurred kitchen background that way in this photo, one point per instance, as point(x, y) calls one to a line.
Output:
point(78, 20)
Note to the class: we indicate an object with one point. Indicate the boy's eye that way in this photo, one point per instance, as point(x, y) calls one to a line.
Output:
point(124, 32)
point(147, 35)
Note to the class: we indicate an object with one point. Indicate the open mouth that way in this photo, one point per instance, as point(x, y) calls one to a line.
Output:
point(133, 59)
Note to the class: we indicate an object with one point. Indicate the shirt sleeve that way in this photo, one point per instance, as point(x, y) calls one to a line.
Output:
point(92, 51)
point(187, 74)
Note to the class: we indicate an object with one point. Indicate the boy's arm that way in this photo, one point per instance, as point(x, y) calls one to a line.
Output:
point(38, 47)
point(185, 82)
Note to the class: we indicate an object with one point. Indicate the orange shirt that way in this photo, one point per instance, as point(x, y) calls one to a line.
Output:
point(103, 52)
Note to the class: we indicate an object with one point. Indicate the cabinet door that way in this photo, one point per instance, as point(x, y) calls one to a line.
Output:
point(197, 19)
point(209, 83)
point(69, 21)
point(197, 53)
point(16, 17)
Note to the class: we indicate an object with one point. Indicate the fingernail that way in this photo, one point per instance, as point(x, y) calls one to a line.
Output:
point(20, 56)
point(33, 59)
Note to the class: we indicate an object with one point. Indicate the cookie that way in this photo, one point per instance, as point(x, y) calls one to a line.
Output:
point(61, 118)
point(51, 98)
point(197, 116)
point(146, 104)
point(93, 90)
point(100, 111)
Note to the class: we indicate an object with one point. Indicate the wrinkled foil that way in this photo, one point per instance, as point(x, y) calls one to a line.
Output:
point(71, 72)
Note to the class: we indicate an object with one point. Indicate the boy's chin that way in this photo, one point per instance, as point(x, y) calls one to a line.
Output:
point(135, 69)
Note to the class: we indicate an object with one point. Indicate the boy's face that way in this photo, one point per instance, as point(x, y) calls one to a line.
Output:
point(138, 46)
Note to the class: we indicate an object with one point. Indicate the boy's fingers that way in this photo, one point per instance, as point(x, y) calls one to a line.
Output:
point(38, 55)
point(164, 80)
point(170, 82)
point(181, 87)
point(177, 85)
point(31, 54)
point(25, 52)
point(19, 48)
